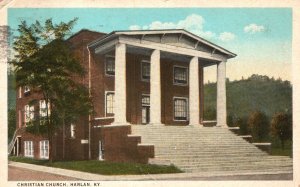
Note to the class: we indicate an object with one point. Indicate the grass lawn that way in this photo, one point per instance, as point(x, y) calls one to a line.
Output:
point(282, 152)
point(287, 151)
point(103, 167)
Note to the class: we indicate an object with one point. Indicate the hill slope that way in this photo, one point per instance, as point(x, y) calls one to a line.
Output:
point(255, 93)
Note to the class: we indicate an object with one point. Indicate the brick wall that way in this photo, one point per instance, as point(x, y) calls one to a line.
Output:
point(118, 146)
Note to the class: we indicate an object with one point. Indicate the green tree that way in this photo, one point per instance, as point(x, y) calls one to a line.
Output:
point(45, 63)
point(259, 126)
point(281, 127)
point(11, 123)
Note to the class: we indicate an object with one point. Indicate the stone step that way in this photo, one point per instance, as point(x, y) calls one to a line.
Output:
point(211, 149)
point(239, 170)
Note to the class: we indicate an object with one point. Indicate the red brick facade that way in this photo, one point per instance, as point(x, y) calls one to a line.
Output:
point(117, 144)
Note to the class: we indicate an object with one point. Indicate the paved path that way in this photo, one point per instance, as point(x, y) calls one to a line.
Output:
point(22, 174)
point(35, 172)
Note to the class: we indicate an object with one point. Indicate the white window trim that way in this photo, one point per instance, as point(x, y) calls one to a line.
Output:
point(108, 56)
point(187, 76)
point(72, 130)
point(142, 79)
point(106, 92)
point(28, 149)
point(26, 89)
point(147, 95)
point(40, 108)
point(30, 116)
point(42, 154)
point(187, 108)
point(20, 92)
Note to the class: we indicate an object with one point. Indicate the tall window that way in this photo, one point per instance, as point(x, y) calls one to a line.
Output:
point(109, 100)
point(43, 108)
point(44, 149)
point(20, 92)
point(29, 113)
point(180, 75)
point(145, 100)
point(72, 129)
point(145, 70)
point(180, 109)
point(110, 65)
point(28, 148)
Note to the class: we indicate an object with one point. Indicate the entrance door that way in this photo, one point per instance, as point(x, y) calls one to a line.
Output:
point(145, 114)
point(145, 109)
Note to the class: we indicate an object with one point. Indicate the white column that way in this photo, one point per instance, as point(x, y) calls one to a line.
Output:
point(194, 91)
point(120, 84)
point(221, 95)
point(155, 88)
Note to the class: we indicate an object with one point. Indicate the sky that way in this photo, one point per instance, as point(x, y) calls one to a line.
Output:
point(261, 37)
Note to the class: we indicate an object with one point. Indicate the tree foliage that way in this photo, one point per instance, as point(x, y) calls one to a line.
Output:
point(46, 64)
point(281, 127)
point(11, 123)
point(259, 126)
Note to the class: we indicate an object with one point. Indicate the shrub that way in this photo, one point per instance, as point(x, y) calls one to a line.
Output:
point(281, 127)
point(259, 126)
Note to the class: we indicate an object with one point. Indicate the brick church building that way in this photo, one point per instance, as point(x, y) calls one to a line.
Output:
point(149, 77)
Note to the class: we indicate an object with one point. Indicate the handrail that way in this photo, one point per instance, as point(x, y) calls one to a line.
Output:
point(12, 142)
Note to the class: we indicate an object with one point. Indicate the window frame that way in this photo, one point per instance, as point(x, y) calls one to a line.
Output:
point(72, 130)
point(28, 113)
point(187, 108)
point(26, 89)
point(40, 109)
point(105, 65)
point(142, 76)
point(43, 148)
point(28, 149)
point(145, 95)
point(105, 105)
point(187, 76)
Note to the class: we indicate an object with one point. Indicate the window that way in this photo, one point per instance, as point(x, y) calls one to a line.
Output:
point(110, 65)
point(72, 129)
point(20, 92)
point(26, 89)
point(44, 149)
point(28, 148)
point(109, 102)
point(180, 109)
point(43, 108)
point(145, 70)
point(180, 75)
point(145, 100)
point(29, 113)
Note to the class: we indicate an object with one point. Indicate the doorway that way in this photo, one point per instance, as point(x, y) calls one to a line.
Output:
point(145, 109)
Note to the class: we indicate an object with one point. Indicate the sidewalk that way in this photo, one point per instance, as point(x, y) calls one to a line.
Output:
point(178, 176)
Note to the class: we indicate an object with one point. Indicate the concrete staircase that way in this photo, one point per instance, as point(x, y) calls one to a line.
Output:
point(208, 149)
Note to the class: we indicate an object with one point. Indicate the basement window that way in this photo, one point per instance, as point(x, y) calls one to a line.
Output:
point(180, 109)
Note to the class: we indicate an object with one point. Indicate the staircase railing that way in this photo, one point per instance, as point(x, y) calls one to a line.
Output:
point(12, 142)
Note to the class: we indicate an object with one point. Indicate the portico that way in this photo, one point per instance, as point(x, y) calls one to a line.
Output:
point(178, 45)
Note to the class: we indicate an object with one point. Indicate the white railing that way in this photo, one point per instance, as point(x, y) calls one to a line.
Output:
point(12, 142)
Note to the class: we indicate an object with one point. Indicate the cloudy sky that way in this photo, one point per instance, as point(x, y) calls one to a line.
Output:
point(262, 38)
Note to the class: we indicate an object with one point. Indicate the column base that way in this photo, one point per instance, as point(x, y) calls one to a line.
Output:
point(222, 126)
point(156, 124)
